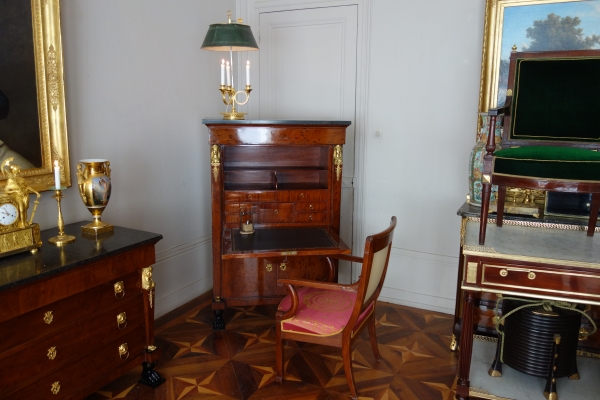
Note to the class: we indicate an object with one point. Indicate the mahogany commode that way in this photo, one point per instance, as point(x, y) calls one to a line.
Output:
point(288, 176)
point(74, 318)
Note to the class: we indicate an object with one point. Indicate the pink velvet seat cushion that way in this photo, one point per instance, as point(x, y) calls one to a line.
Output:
point(321, 312)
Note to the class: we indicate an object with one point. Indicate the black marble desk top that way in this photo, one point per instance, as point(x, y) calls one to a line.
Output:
point(283, 239)
point(23, 268)
point(469, 210)
point(273, 122)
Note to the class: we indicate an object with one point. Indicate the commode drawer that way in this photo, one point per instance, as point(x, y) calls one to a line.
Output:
point(61, 383)
point(309, 195)
point(516, 277)
point(55, 316)
point(71, 343)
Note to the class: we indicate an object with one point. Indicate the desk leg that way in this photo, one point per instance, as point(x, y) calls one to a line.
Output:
point(466, 347)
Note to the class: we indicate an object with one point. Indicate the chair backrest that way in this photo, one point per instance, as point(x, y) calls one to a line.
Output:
point(553, 98)
point(375, 262)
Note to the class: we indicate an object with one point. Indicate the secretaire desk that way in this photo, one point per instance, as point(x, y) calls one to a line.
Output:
point(76, 317)
point(524, 258)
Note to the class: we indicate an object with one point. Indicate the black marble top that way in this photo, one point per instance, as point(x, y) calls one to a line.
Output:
point(271, 122)
point(469, 210)
point(23, 268)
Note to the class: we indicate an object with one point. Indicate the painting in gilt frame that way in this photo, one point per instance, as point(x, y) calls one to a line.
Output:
point(531, 25)
point(33, 122)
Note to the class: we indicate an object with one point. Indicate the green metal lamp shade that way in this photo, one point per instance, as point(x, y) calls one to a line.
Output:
point(232, 36)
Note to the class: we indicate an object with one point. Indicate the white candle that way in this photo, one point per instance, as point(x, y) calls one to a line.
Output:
point(222, 72)
point(56, 174)
point(228, 74)
point(248, 73)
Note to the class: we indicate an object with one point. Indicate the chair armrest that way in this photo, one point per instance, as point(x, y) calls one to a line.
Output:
point(347, 257)
point(317, 284)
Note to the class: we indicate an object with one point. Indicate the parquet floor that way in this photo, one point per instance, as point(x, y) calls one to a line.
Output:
point(238, 363)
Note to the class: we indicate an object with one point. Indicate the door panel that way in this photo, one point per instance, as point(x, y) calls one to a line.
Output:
point(307, 70)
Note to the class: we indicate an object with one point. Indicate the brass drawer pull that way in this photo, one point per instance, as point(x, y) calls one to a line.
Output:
point(283, 266)
point(124, 351)
point(276, 211)
point(269, 267)
point(55, 388)
point(52, 353)
point(48, 317)
point(503, 272)
point(531, 275)
point(249, 197)
point(310, 207)
point(301, 195)
point(119, 288)
point(310, 217)
point(122, 320)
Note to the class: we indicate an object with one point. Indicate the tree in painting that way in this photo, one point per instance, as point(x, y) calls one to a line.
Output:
point(556, 33)
point(552, 33)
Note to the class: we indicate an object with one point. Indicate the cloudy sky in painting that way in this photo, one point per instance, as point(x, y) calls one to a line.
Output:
point(518, 18)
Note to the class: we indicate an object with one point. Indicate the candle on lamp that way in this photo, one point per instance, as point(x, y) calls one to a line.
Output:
point(228, 68)
point(222, 72)
point(248, 73)
point(56, 175)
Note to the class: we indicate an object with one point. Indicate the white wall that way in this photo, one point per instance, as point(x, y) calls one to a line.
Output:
point(137, 86)
point(425, 60)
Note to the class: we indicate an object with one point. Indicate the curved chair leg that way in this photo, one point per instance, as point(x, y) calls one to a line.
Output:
point(373, 336)
point(486, 191)
point(593, 214)
point(278, 353)
point(500, 205)
point(347, 357)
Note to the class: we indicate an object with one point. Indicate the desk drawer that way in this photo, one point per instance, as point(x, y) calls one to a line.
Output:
point(55, 316)
point(314, 217)
point(275, 212)
point(239, 197)
point(522, 278)
point(70, 344)
point(309, 195)
point(311, 206)
point(77, 374)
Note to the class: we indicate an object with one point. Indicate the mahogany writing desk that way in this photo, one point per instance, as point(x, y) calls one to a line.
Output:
point(523, 261)
point(286, 176)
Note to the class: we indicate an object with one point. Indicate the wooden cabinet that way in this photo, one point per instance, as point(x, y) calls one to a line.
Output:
point(75, 318)
point(286, 177)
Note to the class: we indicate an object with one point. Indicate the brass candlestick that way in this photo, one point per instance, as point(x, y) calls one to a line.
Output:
point(61, 239)
point(229, 96)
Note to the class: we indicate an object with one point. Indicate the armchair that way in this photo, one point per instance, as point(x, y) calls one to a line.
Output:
point(334, 314)
point(551, 135)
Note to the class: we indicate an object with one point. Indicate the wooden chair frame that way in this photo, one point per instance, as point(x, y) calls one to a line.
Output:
point(525, 182)
point(348, 335)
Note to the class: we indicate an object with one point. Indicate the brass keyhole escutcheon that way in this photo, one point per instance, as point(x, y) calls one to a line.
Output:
point(283, 266)
point(124, 351)
point(531, 275)
point(119, 290)
point(269, 267)
point(503, 272)
point(52, 353)
point(276, 211)
point(249, 197)
point(55, 388)
point(301, 195)
point(122, 320)
point(310, 206)
point(310, 217)
point(48, 317)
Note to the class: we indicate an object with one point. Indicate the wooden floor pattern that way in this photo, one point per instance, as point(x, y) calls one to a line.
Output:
point(238, 363)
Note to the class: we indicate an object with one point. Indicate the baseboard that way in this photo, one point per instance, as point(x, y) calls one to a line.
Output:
point(182, 296)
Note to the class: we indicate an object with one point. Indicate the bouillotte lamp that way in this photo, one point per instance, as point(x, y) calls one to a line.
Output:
point(232, 36)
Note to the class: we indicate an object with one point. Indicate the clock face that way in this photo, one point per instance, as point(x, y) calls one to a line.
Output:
point(8, 214)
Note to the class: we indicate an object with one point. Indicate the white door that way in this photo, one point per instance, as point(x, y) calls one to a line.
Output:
point(307, 64)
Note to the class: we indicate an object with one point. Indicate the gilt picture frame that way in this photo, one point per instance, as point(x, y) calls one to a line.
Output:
point(518, 22)
point(49, 94)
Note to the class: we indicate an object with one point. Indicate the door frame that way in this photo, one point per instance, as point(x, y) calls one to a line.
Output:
point(249, 11)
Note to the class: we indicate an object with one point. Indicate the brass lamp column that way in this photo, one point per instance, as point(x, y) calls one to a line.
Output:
point(231, 36)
